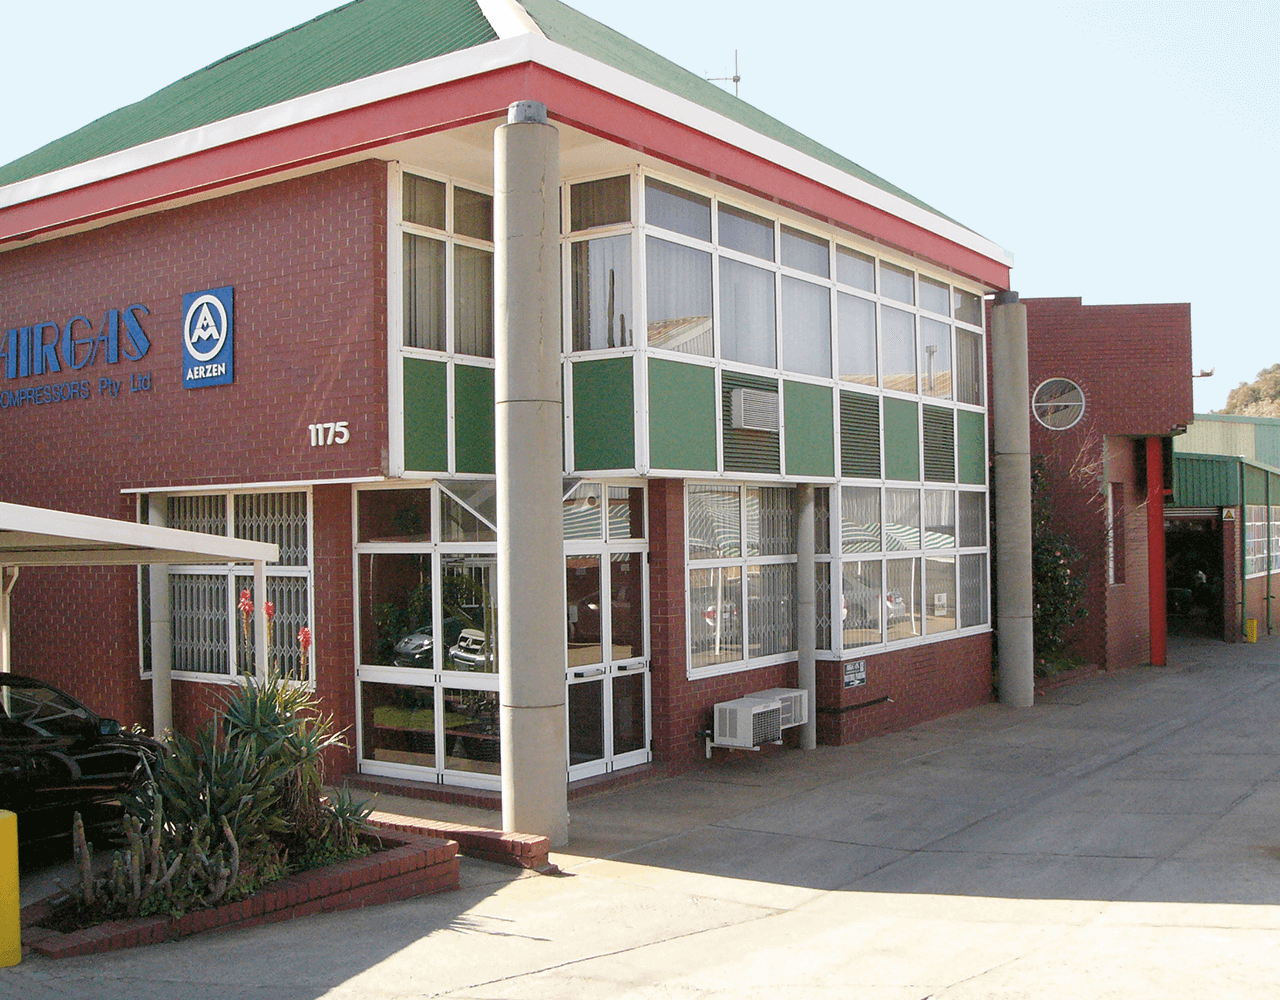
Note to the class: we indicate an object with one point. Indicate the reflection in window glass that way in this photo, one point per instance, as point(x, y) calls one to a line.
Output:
point(747, 318)
point(863, 602)
point(771, 521)
point(806, 327)
point(940, 594)
point(715, 522)
point(423, 201)
point(770, 620)
point(901, 520)
point(473, 214)
point(471, 731)
point(968, 307)
point(935, 358)
point(935, 296)
point(745, 232)
point(973, 590)
point(856, 269)
point(399, 724)
point(584, 622)
point(458, 524)
point(715, 615)
point(600, 203)
point(678, 210)
point(467, 596)
point(969, 366)
point(939, 519)
point(473, 301)
point(898, 344)
point(626, 512)
point(423, 293)
point(394, 515)
point(628, 713)
point(902, 599)
point(897, 283)
point(582, 514)
point(396, 623)
point(586, 721)
point(857, 319)
point(678, 295)
point(973, 519)
point(860, 519)
point(626, 596)
point(601, 279)
point(806, 252)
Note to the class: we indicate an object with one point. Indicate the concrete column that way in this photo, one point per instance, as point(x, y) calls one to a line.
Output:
point(8, 579)
point(806, 611)
point(1010, 398)
point(161, 630)
point(1155, 550)
point(260, 665)
point(529, 430)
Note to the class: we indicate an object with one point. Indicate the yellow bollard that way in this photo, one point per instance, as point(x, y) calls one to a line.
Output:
point(1251, 630)
point(10, 897)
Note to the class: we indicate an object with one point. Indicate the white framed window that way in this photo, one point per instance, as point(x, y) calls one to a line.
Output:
point(1256, 534)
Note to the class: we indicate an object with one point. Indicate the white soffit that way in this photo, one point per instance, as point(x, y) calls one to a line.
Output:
point(35, 536)
point(508, 18)
point(477, 60)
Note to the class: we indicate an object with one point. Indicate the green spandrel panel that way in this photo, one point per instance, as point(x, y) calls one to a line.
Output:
point(901, 440)
point(426, 447)
point(1255, 485)
point(473, 418)
point(810, 430)
point(971, 447)
point(604, 434)
point(682, 416)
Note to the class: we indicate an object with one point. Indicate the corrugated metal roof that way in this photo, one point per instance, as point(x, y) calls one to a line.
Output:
point(1206, 480)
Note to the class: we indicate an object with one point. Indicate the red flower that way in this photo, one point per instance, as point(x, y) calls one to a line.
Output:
point(269, 610)
point(246, 602)
point(304, 638)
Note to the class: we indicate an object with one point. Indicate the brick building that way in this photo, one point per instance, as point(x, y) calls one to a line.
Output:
point(260, 303)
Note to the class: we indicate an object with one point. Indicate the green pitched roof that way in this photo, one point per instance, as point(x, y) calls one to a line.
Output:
point(365, 37)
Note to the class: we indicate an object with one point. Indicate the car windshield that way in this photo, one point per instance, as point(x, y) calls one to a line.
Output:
point(41, 710)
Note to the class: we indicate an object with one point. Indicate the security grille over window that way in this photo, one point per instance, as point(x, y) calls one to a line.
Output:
point(755, 410)
point(1058, 404)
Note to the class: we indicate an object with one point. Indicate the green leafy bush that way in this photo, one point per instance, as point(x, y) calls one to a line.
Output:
point(1057, 588)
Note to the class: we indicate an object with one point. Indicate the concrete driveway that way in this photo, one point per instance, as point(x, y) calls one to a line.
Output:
point(1120, 839)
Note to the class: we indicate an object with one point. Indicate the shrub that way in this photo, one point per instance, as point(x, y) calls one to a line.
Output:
point(1057, 589)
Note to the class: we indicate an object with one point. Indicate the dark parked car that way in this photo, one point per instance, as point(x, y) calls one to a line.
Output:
point(57, 757)
point(417, 649)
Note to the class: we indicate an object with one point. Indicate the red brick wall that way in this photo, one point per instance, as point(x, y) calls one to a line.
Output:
point(307, 258)
point(1127, 620)
point(1232, 549)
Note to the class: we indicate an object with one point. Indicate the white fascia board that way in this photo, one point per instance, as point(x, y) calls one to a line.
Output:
point(508, 18)
point(475, 61)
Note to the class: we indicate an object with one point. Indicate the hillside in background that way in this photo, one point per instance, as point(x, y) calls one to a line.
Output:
point(1260, 398)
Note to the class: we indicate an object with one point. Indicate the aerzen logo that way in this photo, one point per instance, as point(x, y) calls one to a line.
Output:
point(208, 338)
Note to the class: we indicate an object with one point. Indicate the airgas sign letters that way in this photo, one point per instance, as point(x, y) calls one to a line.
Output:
point(208, 333)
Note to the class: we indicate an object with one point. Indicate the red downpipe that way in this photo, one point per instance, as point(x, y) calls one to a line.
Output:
point(1155, 550)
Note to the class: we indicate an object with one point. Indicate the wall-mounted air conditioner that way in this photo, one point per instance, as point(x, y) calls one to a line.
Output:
point(747, 722)
point(794, 702)
point(753, 410)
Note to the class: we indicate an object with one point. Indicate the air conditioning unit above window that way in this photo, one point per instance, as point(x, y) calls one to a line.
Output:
point(747, 722)
point(794, 702)
point(753, 410)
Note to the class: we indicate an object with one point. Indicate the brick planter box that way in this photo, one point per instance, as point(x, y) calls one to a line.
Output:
point(408, 866)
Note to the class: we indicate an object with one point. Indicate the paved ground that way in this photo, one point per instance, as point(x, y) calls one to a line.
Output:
point(1118, 840)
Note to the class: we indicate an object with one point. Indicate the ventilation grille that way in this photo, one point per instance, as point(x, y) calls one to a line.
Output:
point(753, 410)
point(859, 435)
point(939, 445)
point(749, 450)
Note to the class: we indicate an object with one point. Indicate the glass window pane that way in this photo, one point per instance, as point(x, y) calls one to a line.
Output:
point(821, 519)
point(674, 208)
point(747, 319)
point(771, 521)
point(715, 615)
point(857, 318)
point(459, 524)
point(898, 346)
point(678, 295)
point(581, 512)
point(423, 303)
point(861, 604)
point(473, 214)
point(973, 590)
point(806, 327)
point(473, 301)
point(856, 269)
point(586, 721)
point(745, 232)
point(467, 597)
point(600, 203)
point(397, 623)
point(628, 713)
point(860, 519)
point(822, 602)
point(423, 201)
point(902, 600)
point(968, 307)
point(935, 296)
point(584, 621)
point(626, 590)
point(939, 519)
point(715, 522)
point(471, 731)
point(602, 312)
point(394, 515)
point(901, 520)
point(806, 252)
point(973, 519)
point(940, 595)
point(897, 283)
point(935, 358)
point(399, 724)
point(626, 512)
point(969, 366)
point(770, 609)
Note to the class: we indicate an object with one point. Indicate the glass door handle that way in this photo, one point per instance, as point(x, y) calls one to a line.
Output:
point(629, 668)
point(589, 672)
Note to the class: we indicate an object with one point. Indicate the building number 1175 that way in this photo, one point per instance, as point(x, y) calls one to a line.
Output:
point(330, 433)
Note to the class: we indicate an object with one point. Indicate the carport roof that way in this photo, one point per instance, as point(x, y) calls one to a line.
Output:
point(35, 536)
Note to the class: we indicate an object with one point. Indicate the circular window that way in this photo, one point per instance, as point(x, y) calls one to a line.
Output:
point(1058, 403)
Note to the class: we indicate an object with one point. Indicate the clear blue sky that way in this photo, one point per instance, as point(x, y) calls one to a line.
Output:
point(1125, 152)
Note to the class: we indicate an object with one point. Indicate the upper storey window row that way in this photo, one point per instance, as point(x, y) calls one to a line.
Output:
point(723, 282)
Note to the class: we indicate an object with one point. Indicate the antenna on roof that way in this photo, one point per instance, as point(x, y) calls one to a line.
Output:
point(725, 79)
